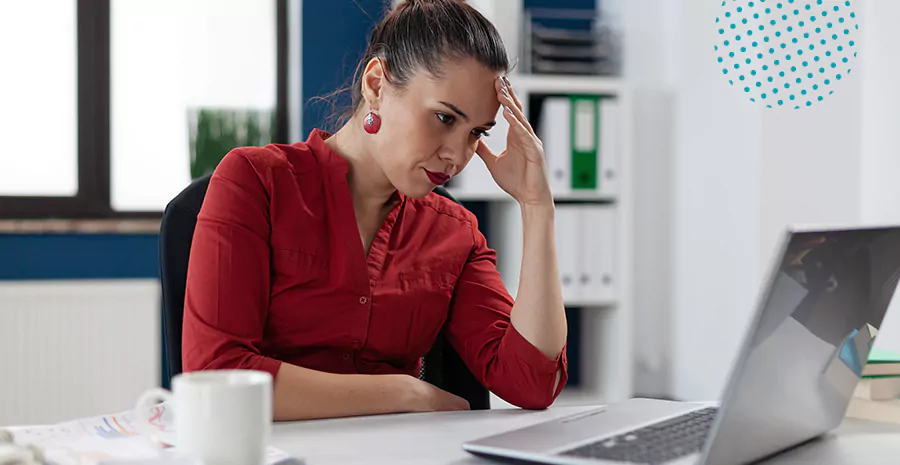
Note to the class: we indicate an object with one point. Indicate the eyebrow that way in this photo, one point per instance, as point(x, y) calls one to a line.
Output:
point(459, 112)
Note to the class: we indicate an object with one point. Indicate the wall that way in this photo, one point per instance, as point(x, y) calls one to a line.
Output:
point(811, 165)
point(880, 98)
point(79, 322)
point(645, 26)
point(698, 200)
point(334, 39)
point(733, 178)
point(716, 207)
point(76, 348)
point(880, 156)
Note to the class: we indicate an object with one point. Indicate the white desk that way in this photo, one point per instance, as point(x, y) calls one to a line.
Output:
point(435, 438)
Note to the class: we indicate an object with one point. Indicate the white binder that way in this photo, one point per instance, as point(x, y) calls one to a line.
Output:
point(555, 132)
point(610, 147)
point(568, 230)
point(597, 280)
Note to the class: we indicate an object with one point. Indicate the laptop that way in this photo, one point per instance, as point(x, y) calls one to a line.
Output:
point(801, 358)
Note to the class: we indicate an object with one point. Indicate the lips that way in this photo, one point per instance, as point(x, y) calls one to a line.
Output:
point(437, 179)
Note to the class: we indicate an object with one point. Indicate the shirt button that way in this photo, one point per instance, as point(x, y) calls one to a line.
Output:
point(356, 343)
point(363, 300)
point(345, 357)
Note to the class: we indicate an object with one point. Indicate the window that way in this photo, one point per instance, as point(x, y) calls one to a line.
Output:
point(96, 126)
point(168, 59)
point(38, 88)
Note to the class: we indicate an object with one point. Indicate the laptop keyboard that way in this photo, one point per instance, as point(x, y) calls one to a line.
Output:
point(654, 444)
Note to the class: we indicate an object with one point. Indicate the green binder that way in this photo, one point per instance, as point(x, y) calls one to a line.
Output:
point(585, 139)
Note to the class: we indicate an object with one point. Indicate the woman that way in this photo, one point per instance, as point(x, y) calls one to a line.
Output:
point(331, 264)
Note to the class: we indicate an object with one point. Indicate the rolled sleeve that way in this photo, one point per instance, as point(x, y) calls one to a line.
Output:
point(480, 330)
point(544, 368)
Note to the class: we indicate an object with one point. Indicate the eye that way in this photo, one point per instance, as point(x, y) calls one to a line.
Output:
point(445, 118)
point(479, 133)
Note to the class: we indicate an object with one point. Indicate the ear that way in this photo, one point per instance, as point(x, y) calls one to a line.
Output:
point(372, 82)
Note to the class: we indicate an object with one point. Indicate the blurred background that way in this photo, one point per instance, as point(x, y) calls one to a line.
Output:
point(672, 189)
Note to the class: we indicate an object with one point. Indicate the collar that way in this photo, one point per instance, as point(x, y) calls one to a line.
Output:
point(327, 156)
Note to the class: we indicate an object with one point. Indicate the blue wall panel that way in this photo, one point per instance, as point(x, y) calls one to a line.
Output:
point(78, 256)
point(335, 34)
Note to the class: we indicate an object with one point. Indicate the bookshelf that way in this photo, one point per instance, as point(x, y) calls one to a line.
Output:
point(551, 84)
point(606, 332)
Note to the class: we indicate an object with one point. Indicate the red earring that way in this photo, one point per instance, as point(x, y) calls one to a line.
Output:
point(372, 122)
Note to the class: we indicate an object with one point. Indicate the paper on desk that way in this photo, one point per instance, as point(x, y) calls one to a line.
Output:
point(107, 439)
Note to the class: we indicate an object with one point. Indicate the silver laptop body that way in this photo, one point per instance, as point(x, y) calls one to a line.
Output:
point(801, 358)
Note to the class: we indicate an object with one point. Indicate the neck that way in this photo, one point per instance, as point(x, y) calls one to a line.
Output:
point(370, 188)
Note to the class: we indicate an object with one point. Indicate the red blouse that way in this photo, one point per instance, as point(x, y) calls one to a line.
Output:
point(278, 274)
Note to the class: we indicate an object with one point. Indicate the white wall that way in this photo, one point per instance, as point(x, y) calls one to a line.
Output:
point(736, 176)
point(76, 348)
point(649, 70)
point(880, 144)
point(811, 164)
point(697, 197)
point(880, 98)
point(717, 202)
point(653, 217)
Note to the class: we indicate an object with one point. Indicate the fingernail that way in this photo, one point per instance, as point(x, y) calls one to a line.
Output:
point(504, 92)
point(506, 81)
point(507, 109)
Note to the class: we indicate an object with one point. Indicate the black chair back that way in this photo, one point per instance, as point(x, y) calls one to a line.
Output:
point(176, 233)
point(442, 366)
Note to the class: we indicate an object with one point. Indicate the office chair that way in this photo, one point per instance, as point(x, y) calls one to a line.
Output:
point(442, 366)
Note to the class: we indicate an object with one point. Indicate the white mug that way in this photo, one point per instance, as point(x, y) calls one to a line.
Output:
point(222, 417)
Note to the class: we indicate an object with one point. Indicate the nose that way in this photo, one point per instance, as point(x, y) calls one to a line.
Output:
point(455, 153)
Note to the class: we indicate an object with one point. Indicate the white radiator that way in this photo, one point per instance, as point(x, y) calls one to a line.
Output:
point(71, 349)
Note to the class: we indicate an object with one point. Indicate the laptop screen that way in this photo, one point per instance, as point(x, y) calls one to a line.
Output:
point(808, 343)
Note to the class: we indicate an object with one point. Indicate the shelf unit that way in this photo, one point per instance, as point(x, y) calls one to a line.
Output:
point(606, 341)
point(464, 195)
point(551, 84)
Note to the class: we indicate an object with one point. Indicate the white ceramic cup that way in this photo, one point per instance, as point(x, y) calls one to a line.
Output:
point(222, 417)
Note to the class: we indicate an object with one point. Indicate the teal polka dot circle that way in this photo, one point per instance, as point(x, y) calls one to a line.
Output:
point(802, 47)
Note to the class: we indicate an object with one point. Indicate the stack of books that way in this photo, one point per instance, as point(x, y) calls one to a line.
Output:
point(877, 396)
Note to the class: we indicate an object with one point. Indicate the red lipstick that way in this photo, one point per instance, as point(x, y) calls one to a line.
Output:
point(437, 179)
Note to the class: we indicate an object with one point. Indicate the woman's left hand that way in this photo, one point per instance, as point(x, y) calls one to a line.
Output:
point(521, 169)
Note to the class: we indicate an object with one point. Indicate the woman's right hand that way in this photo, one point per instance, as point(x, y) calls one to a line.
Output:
point(425, 397)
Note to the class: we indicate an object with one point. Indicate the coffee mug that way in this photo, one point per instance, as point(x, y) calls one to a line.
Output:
point(222, 417)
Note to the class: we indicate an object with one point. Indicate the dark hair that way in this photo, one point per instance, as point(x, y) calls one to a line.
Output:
point(424, 35)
